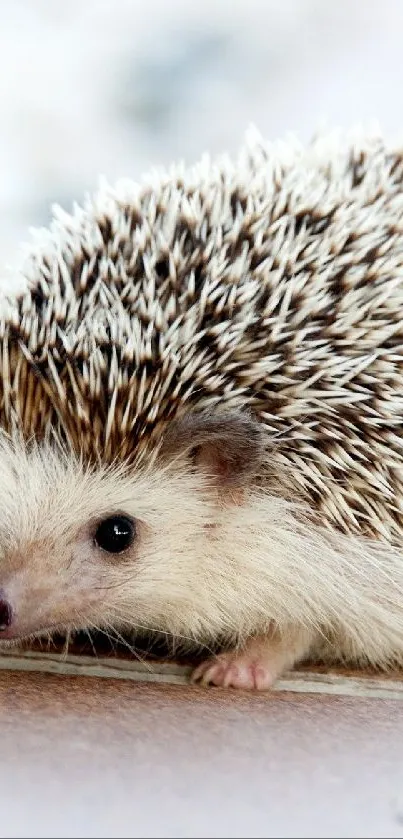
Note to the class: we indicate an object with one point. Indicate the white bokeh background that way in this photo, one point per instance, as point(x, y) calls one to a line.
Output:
point(112, 87)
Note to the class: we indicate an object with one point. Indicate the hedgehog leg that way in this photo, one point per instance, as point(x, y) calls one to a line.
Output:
point(257, 666)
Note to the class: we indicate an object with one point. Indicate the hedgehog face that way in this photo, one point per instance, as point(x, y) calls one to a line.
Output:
point(120, 548)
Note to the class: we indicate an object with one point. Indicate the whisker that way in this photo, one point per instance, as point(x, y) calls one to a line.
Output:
point(66, 645)
point(106, 630)
point(170, 636)
point(132, 649)
point(89, 636)
point(99, 629)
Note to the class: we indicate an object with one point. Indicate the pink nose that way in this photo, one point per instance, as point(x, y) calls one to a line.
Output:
point(6, 613)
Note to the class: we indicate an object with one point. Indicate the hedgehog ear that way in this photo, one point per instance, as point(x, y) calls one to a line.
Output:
point(228, 446)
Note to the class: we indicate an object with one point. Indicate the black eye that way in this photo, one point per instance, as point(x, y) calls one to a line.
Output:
point(115, 534)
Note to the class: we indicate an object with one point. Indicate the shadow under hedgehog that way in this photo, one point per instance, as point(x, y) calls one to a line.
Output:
point(201, 402)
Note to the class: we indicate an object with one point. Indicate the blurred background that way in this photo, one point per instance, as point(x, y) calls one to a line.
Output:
point(112, 87)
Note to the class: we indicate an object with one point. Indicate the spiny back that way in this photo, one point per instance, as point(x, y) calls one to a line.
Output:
point(274, 283)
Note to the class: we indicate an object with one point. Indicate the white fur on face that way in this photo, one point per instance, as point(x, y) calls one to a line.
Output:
point(199, 568)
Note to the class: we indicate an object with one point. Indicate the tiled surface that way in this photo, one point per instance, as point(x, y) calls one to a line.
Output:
point(89, 757)
point(114, 86)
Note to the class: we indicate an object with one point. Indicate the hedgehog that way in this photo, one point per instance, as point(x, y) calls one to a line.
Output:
point(201, 407)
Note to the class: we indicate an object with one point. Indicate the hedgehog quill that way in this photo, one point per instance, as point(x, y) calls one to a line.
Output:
point(201, 403)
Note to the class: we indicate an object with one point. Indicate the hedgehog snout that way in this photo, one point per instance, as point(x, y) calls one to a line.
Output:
point(6, 613)
point(9, 616)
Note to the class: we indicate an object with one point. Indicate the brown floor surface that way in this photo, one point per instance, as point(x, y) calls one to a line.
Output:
point(100, 758)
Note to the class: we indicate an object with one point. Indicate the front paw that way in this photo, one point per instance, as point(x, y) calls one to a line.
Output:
point(235, 670)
